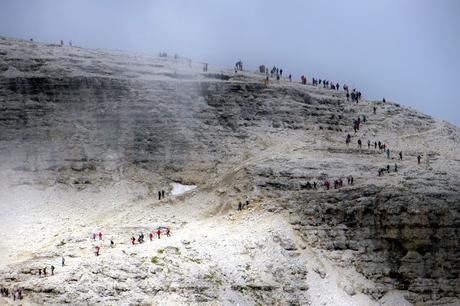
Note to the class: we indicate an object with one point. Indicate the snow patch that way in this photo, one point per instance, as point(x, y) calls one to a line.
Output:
point(178, 189)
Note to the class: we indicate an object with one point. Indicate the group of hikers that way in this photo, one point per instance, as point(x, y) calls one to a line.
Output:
point(376, 144)
point(355, 96)
point(52, 268)
point(338, 183)
point(161, 194)
point(16, 294)
point(327, 84)
point(140, 239)
point(275, 72)
point(158, 232)
point(387, 169)
point(62, 43)
point(241, 206)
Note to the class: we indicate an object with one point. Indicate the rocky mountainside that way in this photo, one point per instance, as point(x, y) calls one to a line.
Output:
point(88, 137)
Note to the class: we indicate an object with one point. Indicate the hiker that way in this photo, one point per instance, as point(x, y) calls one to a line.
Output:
point(94, 236)
point(18, 294)
point(359, 143)
point(98, 248)
point(163, 194)
point(112, 244)
point(351, 180)
point(151, 236)
point(375, 144)
point(347, 141)
point(388, 168)
point(240, 206)
point(396, 168)
point(290, 78)
point(39, 272)
point(62, 43)
point(384, 146)
point(348, 96)
point(141, 238)
point(388, 153)
point(158, 233)
point(368, 144)
point(168, 232)
point(418, 159)
point(383, 100)
point(247, 201)
point(308, 185)
point(62, 261)
point(100, 235)
point(281, 72)
point(375, 110)
point(70, 43)
point(400, 155)
point(205, 68)
point(159, 195)
point(133, 240)
point(44, 271)
point(315, 185)
point(327, 185)
point(364, 119)
point(52, 270)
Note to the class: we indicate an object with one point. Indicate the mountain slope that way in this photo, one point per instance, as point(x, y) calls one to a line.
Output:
point(88, 137)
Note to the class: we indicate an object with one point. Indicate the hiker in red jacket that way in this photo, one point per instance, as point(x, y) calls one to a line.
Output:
point(98, 248)
point(151, 236)
point(158, 233)
point(100, 235)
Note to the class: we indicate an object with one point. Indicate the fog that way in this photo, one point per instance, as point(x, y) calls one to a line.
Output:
point(404, 50)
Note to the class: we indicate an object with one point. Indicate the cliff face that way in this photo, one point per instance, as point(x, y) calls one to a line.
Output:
point(90, 118)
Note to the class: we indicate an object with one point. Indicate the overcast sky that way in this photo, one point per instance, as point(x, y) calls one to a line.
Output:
point(404, 50)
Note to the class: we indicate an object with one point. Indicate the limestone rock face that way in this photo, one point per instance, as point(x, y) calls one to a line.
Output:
point(92, 123)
